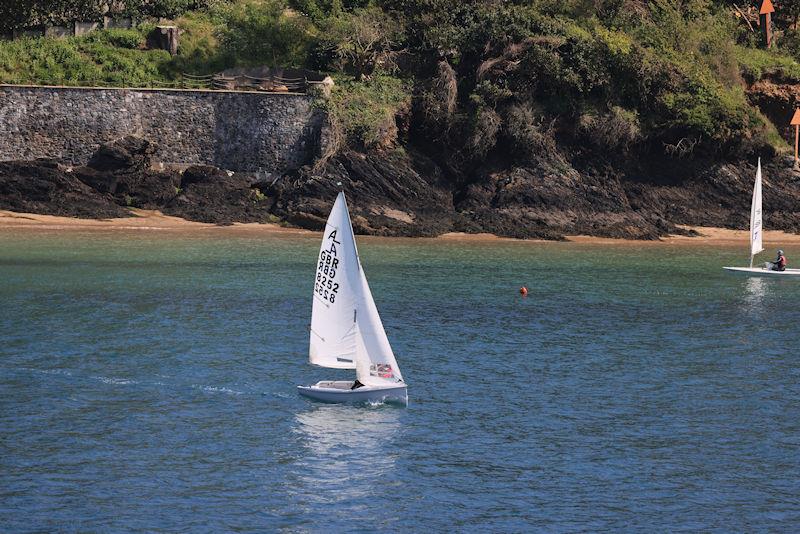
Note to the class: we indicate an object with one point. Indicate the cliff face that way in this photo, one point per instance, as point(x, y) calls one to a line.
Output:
point(119, 176)
point(564, 187)
point(406, 193)
point(403, 192)
point(776, 96)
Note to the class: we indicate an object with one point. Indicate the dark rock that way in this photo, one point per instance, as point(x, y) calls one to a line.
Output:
point(128, 154)
point(721, 197)
point(43, 187)
point(402, 192)
point(393, 193)
point(122, 169)
point(198, 174)
point(209, 194)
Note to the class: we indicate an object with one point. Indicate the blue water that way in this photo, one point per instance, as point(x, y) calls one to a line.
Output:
point(147, 382)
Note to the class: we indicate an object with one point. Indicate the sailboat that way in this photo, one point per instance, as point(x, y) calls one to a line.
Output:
point(756, 244)
point(346, 330)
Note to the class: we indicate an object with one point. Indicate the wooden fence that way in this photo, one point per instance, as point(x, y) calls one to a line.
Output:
point(272, 84)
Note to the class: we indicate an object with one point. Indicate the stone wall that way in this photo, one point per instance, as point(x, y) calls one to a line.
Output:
point(240, 131)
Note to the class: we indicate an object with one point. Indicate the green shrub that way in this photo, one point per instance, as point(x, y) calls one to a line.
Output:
point(530, 133)
point(485, 126)
point(258, 32)
point(364, 112)
point(319, 10)
point(756, 63)
point(120, 38)
point(617, 129)
point(90, 60)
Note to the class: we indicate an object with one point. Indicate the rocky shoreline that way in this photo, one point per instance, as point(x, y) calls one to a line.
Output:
point(403, 192)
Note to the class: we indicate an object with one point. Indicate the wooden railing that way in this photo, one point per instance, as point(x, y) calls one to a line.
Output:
point(273, 84)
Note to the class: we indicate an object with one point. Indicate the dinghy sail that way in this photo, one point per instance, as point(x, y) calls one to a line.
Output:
point(346, 329)
point(756, 238)
point(333, 332)
point(756, 245)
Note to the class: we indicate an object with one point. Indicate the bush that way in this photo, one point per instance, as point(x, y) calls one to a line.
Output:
point(756, 63)
point(483, 137)
point(120, 38)
point(263, 32)
point(364, 112)
point(530, 133)
point(616, 129)
point(90, 60)
point(319, 10)
point(438, 102)
point(361, 41)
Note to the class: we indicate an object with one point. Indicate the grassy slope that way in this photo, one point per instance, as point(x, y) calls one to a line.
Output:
point(704, 54)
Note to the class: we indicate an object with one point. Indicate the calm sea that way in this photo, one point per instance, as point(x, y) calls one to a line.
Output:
point(147, 382)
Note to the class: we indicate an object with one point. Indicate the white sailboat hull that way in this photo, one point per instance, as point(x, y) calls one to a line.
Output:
point(340, 392)
point(761, 271)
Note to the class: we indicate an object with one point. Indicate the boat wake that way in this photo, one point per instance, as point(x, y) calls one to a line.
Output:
point(121, 381)
point(115, 381)
point(217, 389)
point(62, 372)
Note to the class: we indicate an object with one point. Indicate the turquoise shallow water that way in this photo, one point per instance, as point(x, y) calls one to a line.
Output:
point(147, 382)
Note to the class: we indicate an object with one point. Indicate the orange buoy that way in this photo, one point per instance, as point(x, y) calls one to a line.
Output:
point(523, 291)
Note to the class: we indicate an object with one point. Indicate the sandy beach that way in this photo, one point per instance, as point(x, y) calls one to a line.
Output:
point(155, 221)
point(142, 220)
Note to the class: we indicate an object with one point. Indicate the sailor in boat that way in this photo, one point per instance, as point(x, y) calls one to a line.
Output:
point(780, 262)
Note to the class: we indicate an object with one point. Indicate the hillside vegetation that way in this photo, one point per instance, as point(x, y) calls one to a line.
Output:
point(478, 78)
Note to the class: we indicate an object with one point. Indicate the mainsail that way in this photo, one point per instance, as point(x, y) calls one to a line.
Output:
point(756, 245)
point(333, 329)
point(346, 329)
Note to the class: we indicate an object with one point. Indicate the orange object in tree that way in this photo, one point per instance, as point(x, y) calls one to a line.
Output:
point(765, 21)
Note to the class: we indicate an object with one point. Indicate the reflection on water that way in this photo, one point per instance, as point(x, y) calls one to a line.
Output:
point(755, 292)
point(341, 443)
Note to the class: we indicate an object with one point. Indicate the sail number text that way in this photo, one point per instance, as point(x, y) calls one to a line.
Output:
point(325, 285)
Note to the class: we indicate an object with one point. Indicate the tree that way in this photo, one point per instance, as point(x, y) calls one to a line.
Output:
point(362, 40)
point(266, 33)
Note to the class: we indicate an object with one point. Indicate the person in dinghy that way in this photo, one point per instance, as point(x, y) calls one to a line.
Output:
point(779, 264)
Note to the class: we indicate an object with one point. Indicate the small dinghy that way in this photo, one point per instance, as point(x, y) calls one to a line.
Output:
point(346, 330)
point(756, 244)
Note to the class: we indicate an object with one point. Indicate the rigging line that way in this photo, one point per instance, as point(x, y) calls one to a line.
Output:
point(319, 336)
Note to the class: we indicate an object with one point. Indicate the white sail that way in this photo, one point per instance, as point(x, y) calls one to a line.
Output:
point(375, 362)
point(346, 329)
point(336, 283)
point(756, 245)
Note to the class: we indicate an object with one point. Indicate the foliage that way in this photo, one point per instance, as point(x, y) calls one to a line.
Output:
point(616, 129)
point(438, 101)
point(530, 133)
point(489, 76)
point(169, 9)
point(120, 38)
point(18, 14)
point(757, 63)
point(92, 60)
point(319, 10)
point(199, 49)
point(360, 41)
point(364, 111)
point(258, 32)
